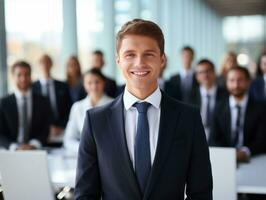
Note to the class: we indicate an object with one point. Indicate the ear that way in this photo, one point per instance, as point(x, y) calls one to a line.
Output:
point(163, 60)
point(117, 59)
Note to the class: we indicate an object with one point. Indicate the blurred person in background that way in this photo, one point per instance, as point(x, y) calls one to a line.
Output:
point(94, 82)
point(58, 95)
point(74, 79)
point(24, 115)
point(181, 84)
point(98, 62)
point(258, 86)
point(239, 119)
point(208, 94)
point(229, 61)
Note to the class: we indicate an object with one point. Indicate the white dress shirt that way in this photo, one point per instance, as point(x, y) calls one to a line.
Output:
point(203, 93)
point(52, 96)
point(19, 99)
point(131, 119)
point(76, 120)
point(187, 75)
point(233, 110)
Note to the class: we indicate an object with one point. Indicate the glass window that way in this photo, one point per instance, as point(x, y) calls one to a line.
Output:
point(33, 27)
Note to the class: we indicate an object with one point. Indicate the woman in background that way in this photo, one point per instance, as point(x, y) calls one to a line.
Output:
point(228, 62)
point(94, 83)
point(74, 79)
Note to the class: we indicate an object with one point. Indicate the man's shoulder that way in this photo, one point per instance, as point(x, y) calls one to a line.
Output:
point(179, 105)
point(7, 99)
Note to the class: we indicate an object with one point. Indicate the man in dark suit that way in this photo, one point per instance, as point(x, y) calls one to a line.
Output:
point(58, 95)
point(143, 145)
point(24, 115)
point(208, 94)
point(97, 61)
point(182, 84)
point(258, 86)
point(239, 121)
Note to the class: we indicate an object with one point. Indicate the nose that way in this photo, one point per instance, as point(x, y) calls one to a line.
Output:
point(140, 61)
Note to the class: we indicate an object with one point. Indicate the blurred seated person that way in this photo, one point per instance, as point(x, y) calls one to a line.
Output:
point(24, 115)
point(229, 61)
point(94, 82)
point(58, 95)
point(182, 84)
point(208, 94)
point(74, 79)
point(239, 120)
point(258, 86)
point(97, 61)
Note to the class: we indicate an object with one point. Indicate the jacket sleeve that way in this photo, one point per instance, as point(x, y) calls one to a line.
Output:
point(88, 185)
point(199, 178)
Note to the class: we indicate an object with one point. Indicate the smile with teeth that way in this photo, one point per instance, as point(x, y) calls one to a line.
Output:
point(140, 73)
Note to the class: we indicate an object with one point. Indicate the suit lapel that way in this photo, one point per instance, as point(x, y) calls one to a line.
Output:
point(227, 122)
point(169, 117)
point(14, 115)
point(117, 127)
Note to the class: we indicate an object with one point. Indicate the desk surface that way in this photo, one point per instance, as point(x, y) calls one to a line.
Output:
point(251, 177)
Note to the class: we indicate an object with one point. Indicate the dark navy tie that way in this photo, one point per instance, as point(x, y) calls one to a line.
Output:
point(238, 125)
point(142, 146)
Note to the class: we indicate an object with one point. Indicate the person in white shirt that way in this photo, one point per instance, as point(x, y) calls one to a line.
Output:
point(94, 85)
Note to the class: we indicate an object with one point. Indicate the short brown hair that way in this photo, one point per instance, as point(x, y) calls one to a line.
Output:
point(243, 70)
point(20, 63)
point(141, 27)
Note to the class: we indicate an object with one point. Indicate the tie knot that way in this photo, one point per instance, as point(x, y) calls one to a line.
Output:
point(142, 107)
point(238, 107)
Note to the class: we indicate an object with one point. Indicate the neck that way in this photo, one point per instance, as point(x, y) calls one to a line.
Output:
point(95, 99)
point(239, 98)
point(208, 86)
point(141, 93)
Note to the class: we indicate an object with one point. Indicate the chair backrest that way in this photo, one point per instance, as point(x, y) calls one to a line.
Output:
point(223, 161)
point(24, 175)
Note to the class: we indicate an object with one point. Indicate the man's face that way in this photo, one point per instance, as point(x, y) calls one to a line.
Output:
point(97, 61)
point(45, 66)
point(205, 75)
point(237, 83)
point(140, 60)
point(187, 58)
point(22, 78)
point(263, 64)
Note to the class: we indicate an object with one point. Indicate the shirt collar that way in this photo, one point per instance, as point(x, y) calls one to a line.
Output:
point(154, 99)
point(45, 81)
point(19, 94)
point(211, 91)
point(264, 77)
point(243, 103)
point(184, 72)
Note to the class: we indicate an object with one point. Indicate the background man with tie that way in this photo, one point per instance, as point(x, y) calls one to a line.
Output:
point(143, 145)
point(239, 120)
point(24, 115)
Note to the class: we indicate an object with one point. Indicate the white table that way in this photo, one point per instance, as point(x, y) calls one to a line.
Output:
point(251, 177)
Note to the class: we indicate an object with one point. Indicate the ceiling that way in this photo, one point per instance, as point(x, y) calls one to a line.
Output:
point(238, 7)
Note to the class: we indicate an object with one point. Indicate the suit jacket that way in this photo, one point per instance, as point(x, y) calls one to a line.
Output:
point(254, 126)
point(257, 89)
point(63, 101)
point(195, 97)
point(173, 88)
point(182, 158)
point(40, 120)
point(110, 87)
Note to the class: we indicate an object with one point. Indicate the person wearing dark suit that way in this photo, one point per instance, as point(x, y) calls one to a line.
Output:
point(182, 84)
point(208, 94)
point(145, 144)
point(239, 121)
point(58, 95)
point(24, 115)
point(97, 61)
point(258, 86)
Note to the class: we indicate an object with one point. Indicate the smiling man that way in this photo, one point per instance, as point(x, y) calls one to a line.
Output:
point(143, 145)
